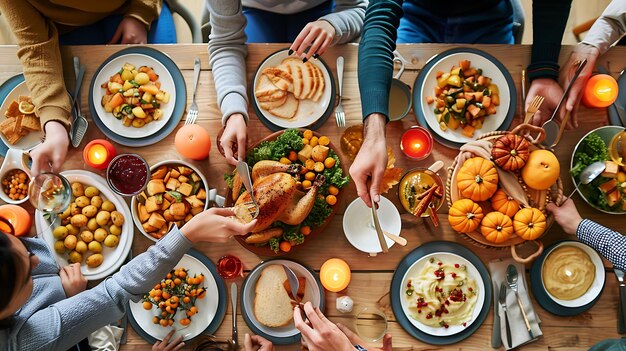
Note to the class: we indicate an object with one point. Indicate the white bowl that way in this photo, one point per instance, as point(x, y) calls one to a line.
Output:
point(598, 282)
point(358, 225)
point(113, 257)
point(14, 159)
point(33, 139)
point(133, 203)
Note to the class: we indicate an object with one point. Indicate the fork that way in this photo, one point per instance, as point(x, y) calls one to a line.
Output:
point(80, 124)
point(192, 112)
point(244, 173)
point(340, 116)
point(533, 108)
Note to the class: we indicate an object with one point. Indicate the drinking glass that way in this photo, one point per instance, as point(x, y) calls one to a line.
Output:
point(370, 323)
point(50, 193)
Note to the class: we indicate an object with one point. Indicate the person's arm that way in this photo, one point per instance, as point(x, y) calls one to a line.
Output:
point(227, 49)
point(65, 323)
point(347, 19)
point(39, 53)
point(607, 242)
point(378, 41)
point(145, 11)
point(608, 28)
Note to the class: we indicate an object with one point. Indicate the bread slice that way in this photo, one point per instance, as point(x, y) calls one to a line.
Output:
point(315, 80)
point(13, 138)
point(242, 213)
point(280, 77)
point(31, 123)
point(12, 110)
point(272, 305)
point(296, 72)
point(288, 109)
point(265, 88)
point(276, 103)
point(320, 86)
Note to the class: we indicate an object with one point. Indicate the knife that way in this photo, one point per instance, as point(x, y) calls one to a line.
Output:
point(616, 105)
point(496, 335)
point(621, 325)
point(294, 284)
point(502, 300)
point(233, 301)
point(379, 230)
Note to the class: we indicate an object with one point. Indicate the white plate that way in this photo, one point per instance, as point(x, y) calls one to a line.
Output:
point(308, 110)
point(472, 274)
point(33, 139)
point(312, 293)
point(598, 283)
point(359, 228)
point(207, 307)
point(113, 257)
point(492, 122)
point(111, 68)
point(133, 202)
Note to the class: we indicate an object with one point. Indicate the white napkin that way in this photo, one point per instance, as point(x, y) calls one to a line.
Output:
point(519, 333)
point(106, 338)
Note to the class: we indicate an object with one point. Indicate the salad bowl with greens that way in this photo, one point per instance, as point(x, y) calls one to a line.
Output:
point(319, 167)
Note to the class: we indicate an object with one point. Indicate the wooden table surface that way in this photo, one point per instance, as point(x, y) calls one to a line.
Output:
point(371, 277)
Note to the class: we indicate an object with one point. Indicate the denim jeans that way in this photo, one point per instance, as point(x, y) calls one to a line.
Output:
point(419, 25)
point(269, 27)
point(162, 31)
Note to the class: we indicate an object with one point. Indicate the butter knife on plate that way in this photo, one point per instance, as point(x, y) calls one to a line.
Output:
point(621, 324)
point(502, 301)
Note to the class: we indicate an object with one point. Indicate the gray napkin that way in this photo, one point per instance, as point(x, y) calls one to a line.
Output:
point(106, 338)
point(519, 334)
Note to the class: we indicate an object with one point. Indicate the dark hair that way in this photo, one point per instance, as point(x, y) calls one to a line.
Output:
point(210, 343)
point(8, 267)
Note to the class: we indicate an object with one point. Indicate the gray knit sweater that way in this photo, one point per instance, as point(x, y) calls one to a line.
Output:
point(50, 321)
point(227, 42)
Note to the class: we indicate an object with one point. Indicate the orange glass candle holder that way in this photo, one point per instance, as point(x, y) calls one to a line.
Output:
point(600, 91)
point(417, 143)
point(20, 220)
point(335, 274)
point(99, 153)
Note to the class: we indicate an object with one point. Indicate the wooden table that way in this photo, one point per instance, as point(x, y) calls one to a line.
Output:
point(371, 277)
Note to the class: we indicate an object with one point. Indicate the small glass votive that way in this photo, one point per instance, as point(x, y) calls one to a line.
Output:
point(417, 143)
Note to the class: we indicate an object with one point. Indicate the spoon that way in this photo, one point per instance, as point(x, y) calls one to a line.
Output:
point(511, 279)
point(588, 174)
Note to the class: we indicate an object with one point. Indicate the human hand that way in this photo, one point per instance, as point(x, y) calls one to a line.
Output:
point(52, 151)
point(223, 226)
point(566, 216)
point(316, 37)
point(356, 340)
point(551, 92)
point(234, 138)
point(372, 161)
point(72, 279)
point(166, 345)
point(131, 31)
point(320, 333)
point(581, 52)
point(257, 343)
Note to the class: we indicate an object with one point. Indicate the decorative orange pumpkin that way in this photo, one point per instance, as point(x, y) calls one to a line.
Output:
point(477, 179)
point(510, 152)
point(465, 216)
point(496, 227)
point(529, 223)
point(542, 170)
point(502, 202)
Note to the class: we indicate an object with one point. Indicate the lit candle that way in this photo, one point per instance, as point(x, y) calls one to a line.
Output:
point(18, 217)
point(335, 274)
point(99, 153)
point(600, 91)
point(416, 143)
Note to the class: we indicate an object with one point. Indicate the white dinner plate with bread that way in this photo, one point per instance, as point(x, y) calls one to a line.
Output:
point(266, 305)
point(290, 93)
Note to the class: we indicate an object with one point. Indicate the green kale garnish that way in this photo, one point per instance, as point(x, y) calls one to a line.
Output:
point(591, 149)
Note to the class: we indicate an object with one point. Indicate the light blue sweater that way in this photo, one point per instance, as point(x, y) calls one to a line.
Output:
point(50, 321)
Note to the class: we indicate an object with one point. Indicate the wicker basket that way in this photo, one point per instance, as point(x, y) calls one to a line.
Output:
point(538, 199)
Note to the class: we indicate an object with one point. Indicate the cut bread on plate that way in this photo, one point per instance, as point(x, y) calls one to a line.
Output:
point(272, 305)
point(288, 109)
point(320, 86)
point(280, 77)
point(268, 105)
point(307, 78)
point(296, 73)
point(315, 81)
point(266, 89)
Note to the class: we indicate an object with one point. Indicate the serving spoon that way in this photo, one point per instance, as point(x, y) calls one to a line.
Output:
point(588, 174)
point(511, 279)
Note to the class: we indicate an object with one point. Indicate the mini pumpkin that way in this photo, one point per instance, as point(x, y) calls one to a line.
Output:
point(502, 202)
point(529, 223)
point(496, 227)
point(465, 215)
point(477, 179)
point(510, 152)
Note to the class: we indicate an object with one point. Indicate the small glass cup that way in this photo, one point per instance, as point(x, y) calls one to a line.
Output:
point(128, 174)
point(416, 143)
point(229, 267)
point(50, 193)
point(370, 323)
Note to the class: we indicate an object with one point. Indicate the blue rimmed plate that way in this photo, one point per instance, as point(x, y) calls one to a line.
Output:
point(567, 307)
point(476, 271)
point(426, 82)
point(288, 334)
point(310, 114)
point(172, 80)
point(211, 309)
point(9, 91)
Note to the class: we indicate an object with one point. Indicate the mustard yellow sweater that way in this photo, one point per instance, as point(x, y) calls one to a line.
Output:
point(34, 23)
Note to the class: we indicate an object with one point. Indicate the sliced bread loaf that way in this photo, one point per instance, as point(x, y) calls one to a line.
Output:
point(272, 305)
